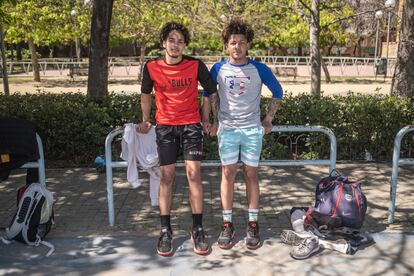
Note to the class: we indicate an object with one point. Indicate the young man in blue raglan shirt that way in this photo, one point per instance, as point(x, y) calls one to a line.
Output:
point(236, 111)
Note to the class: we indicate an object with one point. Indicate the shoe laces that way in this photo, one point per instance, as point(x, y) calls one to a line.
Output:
point(165, 235)
point(198, 234)
point(304, 245)
point(252, 229)
point(226, 230)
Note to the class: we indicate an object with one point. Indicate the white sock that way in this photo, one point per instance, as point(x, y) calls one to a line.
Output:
point(253, 214)
point(227, 215)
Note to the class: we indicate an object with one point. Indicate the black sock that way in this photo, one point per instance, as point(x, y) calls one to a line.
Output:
point(166, 222)
point(197, 220)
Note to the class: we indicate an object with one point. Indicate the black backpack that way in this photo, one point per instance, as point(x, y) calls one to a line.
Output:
point(34, 217)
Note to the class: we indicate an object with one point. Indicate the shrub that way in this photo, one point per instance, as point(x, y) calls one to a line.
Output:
point(74, 127)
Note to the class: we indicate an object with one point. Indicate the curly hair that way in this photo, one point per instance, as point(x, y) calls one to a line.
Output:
point(174, 26)
point(237, 27)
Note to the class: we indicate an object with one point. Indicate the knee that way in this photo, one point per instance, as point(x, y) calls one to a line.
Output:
point(193, 175)
point(250, 173)
point(229, 172)
point(166, 178)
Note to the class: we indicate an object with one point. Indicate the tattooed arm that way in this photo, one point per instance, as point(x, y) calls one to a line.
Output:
point(267, 121)
point(214, 107)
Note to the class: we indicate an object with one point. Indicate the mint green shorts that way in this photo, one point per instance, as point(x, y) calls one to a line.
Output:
point(245, 143)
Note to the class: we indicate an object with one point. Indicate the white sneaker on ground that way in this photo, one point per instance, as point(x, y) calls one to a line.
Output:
point(306, 249)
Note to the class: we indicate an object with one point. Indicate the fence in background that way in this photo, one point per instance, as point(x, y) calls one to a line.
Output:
point(130, 66)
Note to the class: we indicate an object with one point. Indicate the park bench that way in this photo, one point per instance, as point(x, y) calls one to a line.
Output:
point(285, 71)
point(78, 71)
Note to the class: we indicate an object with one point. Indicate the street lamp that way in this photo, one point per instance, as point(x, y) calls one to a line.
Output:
point(389, 5)
point(73, 13)
point(378, 16)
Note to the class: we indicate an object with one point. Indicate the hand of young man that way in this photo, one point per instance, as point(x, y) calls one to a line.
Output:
point(143, 127)
point(206, 127)
point(214, 129)
point(267, 124)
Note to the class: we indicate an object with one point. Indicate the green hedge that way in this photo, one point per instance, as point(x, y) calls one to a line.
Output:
point(75, 127)
point(360, 123)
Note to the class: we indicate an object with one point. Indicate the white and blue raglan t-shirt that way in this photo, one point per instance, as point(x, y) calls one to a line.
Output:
point(239, 88)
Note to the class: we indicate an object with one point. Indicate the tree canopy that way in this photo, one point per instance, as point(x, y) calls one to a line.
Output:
point(277, 24)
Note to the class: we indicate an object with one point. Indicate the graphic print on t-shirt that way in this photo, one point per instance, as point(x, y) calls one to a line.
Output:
point(179, 83)
point(237, 85)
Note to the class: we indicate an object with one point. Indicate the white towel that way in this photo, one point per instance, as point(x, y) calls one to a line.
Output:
point(141, 149)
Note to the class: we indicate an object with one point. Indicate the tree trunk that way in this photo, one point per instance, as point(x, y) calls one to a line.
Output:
point(326, 53)
point(315, 54)
point(135, 48)
point(35, 63)
point(19, 51)
point(4, 65)
point(402, 82)
point(12, 52)
point(99, 48)
point(141, 61)
point(326, 71)
point(358, 48)
point(78, 49)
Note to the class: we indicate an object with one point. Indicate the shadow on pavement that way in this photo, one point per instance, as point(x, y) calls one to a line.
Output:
point(86, 244)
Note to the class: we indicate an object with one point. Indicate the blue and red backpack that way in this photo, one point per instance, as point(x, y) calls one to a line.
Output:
point(338, 197)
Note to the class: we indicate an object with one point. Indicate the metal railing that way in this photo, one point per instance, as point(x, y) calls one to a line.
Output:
point(214, 163)
point(130, 65)
point(396, 162)
point(39, 164)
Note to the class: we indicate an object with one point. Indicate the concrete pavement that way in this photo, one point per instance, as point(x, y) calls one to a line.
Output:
point(134, 255)
point(86, 245)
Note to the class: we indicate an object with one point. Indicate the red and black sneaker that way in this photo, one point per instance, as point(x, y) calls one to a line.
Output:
point(201, 246)
point(225, 240)
point(252, 235)
point(165, 244)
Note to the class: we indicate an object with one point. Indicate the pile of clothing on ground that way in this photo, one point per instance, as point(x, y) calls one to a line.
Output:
point(334, 222)
point(310, 236)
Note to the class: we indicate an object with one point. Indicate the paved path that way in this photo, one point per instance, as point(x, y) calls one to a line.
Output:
point(85, 244)
point(134, 255)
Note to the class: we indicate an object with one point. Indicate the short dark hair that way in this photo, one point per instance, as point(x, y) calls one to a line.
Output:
point(237, 27)
point(174, 26)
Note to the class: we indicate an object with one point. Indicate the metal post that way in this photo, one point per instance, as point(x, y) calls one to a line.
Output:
point(388, 42)
point(109, 184)
point(395, 163)
point(376, 48)
point(41, 161)
point(389, 5)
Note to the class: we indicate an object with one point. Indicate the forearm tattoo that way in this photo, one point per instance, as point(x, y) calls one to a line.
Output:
point(273, 107)
point(215, 105)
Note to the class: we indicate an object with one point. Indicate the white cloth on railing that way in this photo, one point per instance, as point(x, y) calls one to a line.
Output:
point(141, 149)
